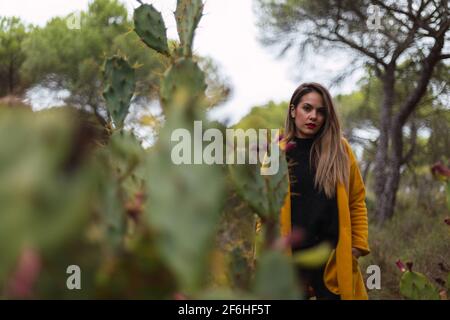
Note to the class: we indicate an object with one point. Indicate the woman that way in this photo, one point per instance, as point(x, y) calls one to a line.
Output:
point(326, 198)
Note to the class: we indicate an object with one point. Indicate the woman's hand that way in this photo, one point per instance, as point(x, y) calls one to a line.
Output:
point(356, 253)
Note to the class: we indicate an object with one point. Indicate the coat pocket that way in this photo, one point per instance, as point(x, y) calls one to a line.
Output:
point(330, 277)
point(330, 274)
point(359, 289)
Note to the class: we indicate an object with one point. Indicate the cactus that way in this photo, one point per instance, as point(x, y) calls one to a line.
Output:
point(240, 273)
point(149, 25)
point(275, 277)
point(414, 285)
point(235, 238)
point(46, 194)
point(183, 85)
point(126, 149)
point(122, 157)
point(264, 193)
point(181, 210)
point(188, 15)
point(184, 210)
point(447, 283)
point(119, 79)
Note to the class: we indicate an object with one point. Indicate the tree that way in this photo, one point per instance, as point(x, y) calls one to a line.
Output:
point(408, 30)
point(12, 35)
point(269, 116)
point(425, 134)
point(60, 58)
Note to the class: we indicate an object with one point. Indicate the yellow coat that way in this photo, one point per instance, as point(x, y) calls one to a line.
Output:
point(342, 274)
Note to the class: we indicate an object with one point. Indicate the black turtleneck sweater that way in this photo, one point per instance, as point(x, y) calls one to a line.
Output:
point(311, 211)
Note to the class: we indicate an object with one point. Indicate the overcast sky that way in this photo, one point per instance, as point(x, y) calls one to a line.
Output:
point(228, 34)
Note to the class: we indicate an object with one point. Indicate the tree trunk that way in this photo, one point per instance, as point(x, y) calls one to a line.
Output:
point(366, 170)
point(387, 206)
point(389, 162)
point(382, 154)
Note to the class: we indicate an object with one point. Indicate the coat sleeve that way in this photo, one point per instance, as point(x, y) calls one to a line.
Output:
point(357, 206)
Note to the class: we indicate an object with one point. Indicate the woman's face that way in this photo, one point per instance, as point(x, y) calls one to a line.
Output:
point(309, 115)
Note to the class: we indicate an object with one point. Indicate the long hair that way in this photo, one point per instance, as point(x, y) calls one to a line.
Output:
point(328, 155)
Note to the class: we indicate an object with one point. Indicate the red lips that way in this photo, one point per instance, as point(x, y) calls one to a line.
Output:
point(311, 125)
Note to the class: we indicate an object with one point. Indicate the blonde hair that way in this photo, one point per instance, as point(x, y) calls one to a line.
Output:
point(328, 154)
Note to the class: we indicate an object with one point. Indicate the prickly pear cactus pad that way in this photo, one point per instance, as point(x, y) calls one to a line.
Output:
point(45, 197)
point(184, 206)
point(119, 78)
point(188, 15)
point(183, 86)
point(414, 285)
point(264, 193)
point(275, 277)
point(149, 25)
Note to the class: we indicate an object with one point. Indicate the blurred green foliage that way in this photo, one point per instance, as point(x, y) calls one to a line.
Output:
point(13, 34)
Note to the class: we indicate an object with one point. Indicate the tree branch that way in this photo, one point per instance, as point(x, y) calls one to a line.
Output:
point(389, 8)
point(415, 18)
point(427, 70)
point(405, 44)
point(354, 46)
